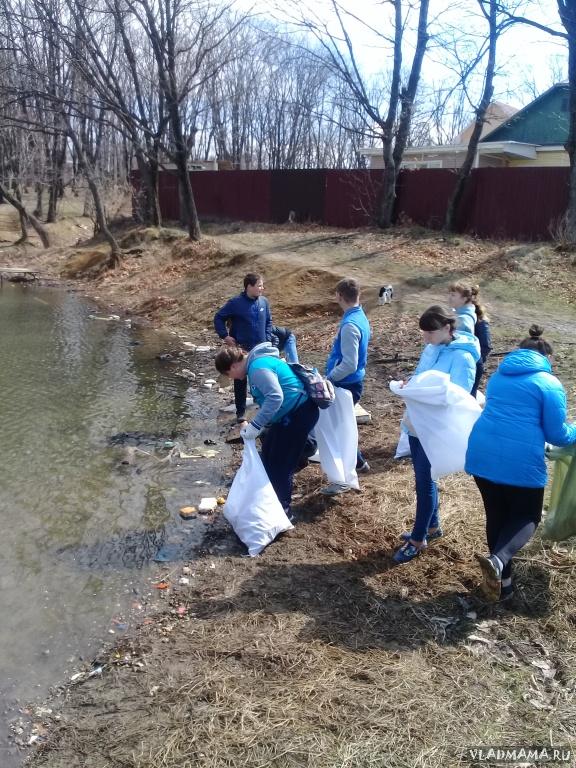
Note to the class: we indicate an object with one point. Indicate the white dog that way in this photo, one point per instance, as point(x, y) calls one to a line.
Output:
point(385, 295)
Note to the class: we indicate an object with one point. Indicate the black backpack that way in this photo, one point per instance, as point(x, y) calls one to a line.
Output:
point(317, 387)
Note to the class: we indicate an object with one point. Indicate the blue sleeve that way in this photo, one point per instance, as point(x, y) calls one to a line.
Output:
point(463, 371)
point(482, 331)
point(220, 318)
point(267, 382)
point(556, 430)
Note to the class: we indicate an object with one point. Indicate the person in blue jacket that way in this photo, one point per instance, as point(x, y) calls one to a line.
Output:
point(464, 300)
point(471, 317)
point(286, 412)
point(482, 333)
point(455, 353)
point(245, 321)
point(346, 364)
point(525, 408)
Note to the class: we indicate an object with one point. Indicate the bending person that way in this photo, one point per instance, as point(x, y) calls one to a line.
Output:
point(285, 410)
point(525, 408)
point(454, 353)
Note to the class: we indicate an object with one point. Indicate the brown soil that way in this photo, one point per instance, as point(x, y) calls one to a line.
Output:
point(320, 653)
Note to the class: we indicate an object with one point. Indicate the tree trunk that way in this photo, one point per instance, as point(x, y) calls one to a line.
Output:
point(58, 160)
point(188, 203)
point(149, 202)
point(28, 217)
point(451, 220)
point(38, 211)
point(100, 213)
point(568, 17)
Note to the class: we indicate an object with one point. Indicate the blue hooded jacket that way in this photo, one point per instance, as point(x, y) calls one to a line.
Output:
point(273, 384)
point(250, 320)
point(458, 358)
point(466, 318)
point(525, 408)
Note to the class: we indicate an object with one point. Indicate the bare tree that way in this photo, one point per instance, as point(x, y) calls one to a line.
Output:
point(394, 119)
point(567, 16)
point(489, 9)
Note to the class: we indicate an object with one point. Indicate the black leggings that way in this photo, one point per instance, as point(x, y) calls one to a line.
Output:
point(512, 516)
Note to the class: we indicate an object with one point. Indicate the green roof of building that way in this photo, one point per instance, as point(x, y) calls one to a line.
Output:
point(544, 121)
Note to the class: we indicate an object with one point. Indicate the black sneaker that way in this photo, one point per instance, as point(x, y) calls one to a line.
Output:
point(492, 572)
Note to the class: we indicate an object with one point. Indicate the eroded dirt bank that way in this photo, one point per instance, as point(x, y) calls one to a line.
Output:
point(319, 653)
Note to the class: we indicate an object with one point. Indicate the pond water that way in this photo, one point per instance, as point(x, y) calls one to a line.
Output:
point(79, 528)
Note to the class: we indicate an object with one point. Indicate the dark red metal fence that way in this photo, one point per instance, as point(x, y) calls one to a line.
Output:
point(507, 203)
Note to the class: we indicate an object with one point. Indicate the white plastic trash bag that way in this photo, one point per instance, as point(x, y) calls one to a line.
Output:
point(336, 432)
point(403, 447)
point(252, 507)
point(442, 415)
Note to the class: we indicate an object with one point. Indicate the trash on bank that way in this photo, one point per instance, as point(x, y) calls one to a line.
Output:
point(207, 504)
point(188, 513)
point(186, 373)
point(199, 452)
point(362, 416)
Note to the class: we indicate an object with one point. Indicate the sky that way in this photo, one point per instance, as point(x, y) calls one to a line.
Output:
point(529, 60)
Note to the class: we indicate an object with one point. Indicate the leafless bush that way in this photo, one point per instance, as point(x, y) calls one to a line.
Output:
point(561, 235)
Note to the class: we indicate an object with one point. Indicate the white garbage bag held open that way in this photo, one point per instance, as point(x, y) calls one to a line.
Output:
point(337, 435)
point(442, 415)
point(252, 507)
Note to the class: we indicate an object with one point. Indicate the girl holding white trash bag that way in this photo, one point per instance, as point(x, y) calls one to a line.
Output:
point(454, 353)
point(286, 411)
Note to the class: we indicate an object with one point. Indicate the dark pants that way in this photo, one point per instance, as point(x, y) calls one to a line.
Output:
point(356, 390)
point(426, 492)
point(478, 379)
point(282, 447)
point(512, 516)
point(240, 392)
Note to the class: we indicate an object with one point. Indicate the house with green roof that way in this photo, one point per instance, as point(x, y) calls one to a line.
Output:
point(532, 136)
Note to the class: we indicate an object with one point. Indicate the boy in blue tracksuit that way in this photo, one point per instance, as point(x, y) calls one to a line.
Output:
point(245, 321)
point(346, 364)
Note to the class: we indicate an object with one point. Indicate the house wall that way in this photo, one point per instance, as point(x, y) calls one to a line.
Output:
point(543, 160)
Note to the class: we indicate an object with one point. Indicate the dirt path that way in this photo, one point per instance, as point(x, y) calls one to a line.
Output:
point(319, 653)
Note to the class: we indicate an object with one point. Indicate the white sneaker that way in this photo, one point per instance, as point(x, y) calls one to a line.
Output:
point(335, 489)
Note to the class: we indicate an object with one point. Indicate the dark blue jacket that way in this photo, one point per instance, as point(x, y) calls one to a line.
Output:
point(525, 408)
point(250, 320)
point(482, 333)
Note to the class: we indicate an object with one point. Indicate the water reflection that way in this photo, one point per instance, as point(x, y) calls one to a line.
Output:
point(79, 529)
